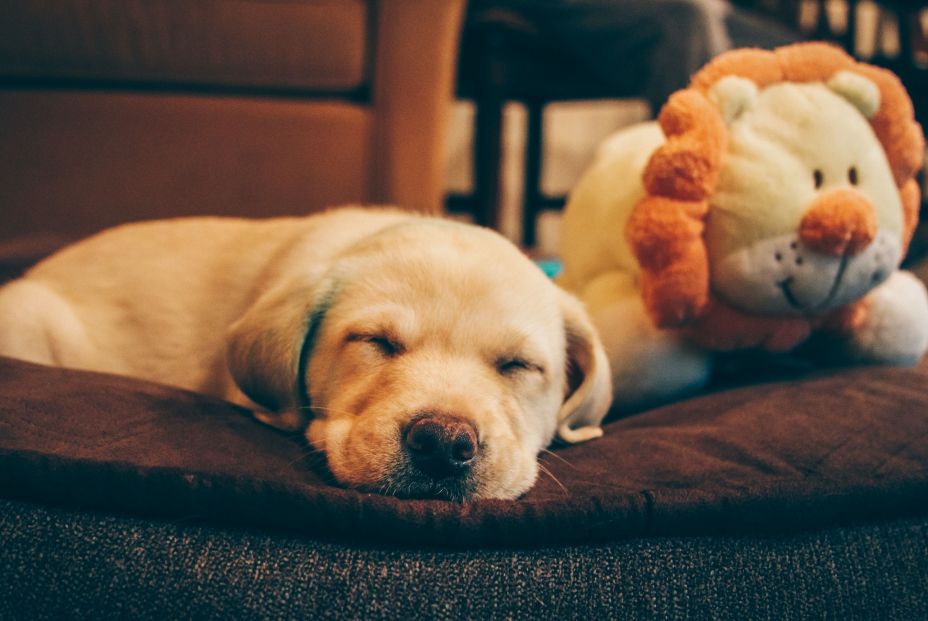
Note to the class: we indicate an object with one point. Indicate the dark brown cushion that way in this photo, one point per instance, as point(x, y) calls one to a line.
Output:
point(844, 446)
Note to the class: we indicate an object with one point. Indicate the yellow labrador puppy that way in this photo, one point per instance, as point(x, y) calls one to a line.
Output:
point(425, 358)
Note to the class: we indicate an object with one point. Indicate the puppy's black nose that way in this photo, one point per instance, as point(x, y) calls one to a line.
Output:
point(441, 446)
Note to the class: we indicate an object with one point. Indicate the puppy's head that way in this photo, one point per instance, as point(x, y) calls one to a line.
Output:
point(435, 359)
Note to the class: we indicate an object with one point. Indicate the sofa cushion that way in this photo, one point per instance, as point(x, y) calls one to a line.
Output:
point(317, 45)
point(77, 161)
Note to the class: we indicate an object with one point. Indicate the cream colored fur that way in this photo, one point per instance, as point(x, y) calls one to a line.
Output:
point(225, 306)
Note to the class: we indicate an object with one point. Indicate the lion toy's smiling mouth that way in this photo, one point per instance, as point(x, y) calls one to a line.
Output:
point(785, 276)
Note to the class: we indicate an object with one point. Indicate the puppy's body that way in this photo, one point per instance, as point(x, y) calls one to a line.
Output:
point(377, 321)
point(155, 300)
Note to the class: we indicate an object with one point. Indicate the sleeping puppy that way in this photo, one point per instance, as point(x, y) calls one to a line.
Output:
point(425, 358)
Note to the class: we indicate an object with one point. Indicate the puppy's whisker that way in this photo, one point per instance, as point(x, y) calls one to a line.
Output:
point(315, 449)
point(306, 453)
point(319, 408)
point(556, 456)
point(554, 478)
point(314, 453)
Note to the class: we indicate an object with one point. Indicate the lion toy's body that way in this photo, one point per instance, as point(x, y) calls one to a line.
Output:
point(774, 199)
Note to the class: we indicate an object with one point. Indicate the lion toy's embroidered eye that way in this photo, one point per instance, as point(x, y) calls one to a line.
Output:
point(818, 177)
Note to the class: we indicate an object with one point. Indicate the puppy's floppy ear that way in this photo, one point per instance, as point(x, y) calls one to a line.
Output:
point(268, 347)
point(589, 392)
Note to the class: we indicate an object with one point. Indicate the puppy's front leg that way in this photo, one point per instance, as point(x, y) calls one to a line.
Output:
point(292, 420)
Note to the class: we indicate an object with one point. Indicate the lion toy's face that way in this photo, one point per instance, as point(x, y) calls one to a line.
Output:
point(806, 216)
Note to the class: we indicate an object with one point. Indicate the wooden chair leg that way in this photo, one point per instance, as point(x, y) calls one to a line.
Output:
point(488, 145)
point(532, 195)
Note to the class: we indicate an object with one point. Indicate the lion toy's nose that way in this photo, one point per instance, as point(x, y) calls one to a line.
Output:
point(839, 222)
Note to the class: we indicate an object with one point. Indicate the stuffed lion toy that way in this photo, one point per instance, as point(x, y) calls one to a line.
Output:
point(774, 199)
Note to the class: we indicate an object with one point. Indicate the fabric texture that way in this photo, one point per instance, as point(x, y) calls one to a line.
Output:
point(58, 564)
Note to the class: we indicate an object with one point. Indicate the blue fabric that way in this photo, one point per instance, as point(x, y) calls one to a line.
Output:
point(551, 267)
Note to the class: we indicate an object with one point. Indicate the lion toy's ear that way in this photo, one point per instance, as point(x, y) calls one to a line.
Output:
point(862, 93)
point(733, 95)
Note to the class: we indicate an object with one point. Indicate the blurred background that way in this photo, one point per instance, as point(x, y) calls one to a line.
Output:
point(565, 124)
point(120, 110)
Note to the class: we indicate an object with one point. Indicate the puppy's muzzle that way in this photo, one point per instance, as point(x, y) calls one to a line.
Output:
point(441, 446)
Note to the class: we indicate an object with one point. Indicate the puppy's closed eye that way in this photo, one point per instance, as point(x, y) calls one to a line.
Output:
point(514, 365)
point(386, 344)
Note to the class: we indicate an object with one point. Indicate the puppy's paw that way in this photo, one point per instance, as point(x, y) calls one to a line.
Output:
point(291, 421)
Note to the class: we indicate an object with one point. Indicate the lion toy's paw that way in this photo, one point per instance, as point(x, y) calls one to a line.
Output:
point(895, 328)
